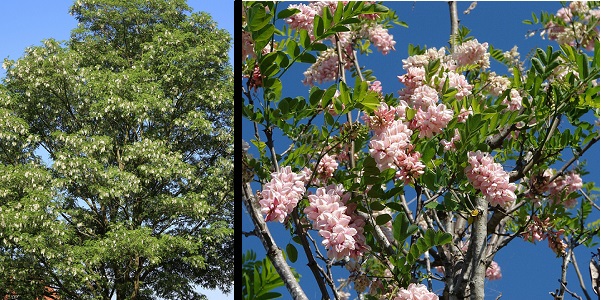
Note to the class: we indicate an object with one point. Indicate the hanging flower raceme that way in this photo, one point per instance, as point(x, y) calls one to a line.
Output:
point(281, 195)
point(493, 272)
point(342, 230)
point(490, 178)
point(378, 36)
point(562, 186)
point(472, 52)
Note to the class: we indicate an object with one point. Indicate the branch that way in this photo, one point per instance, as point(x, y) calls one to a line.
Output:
point(575, 264)
point(454, 24)
point(273, 252)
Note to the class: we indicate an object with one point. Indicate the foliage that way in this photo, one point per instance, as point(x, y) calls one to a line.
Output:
point(512, 120)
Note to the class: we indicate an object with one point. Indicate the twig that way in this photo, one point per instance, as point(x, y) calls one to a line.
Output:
point(579, 275)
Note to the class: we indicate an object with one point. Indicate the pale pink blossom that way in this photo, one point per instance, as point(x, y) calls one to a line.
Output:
point(281, 195)
point(379, 37)
point(247, 45)
point(376, 86)
point(384, 117)
point(415, 292)
point(342, 233)
point(410, 166)
point(451, 145)
point(472, 52)
point(458, 82)
point(324, 69)
point(302, 19)
point(464, 114)
point(413, 78)
point(256, 79)
point(496, 85)
point(326, 167)
point(515, 100)
point(562, 186)
point(386, 146)
point(423, 97)
point(490, 178)
point(493, 272)
point(432, 120)
point(536, 230)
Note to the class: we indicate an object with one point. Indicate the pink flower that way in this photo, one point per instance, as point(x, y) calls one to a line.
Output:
point(431, 121)
point(497, 84)
point(451, 145)
point(390, 143)
point(302, 19)
point(493, 272)
point(472, 52)
point(324, 69)
point(409, 165)
point(342, 233)
point(379, 36)
point(423, 97)
point(563, 186)
point(376, 86)
point(414, 77)
point(536, 230)
point(383, 118)
point(515, 100)
point(326, 167)
point(415, 292)
point(281, 195)
point(247, 45)
point(490, 178)
point(464, 114)
point(256, 80)
point(458, 82)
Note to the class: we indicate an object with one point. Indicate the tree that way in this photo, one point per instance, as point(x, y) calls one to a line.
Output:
point(351, 156)
point(135, 114)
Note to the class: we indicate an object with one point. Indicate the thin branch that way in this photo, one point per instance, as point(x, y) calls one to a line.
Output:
point(582, 286)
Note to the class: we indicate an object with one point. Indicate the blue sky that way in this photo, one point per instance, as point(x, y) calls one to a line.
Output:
point(27, 22)
point(529, 271)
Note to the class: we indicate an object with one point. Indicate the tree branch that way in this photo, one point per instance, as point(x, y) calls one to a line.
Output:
point(273, 252)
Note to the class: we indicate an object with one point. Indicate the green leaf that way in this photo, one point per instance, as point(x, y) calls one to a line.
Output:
point(291, 252)
point(307, 57)
point(318, 26)
point(287, 13)
point(538, 66)
point(305, 40)
point(383, 219)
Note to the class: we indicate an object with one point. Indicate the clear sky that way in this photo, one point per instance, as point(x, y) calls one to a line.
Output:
point(27, 22)
point(529, 271)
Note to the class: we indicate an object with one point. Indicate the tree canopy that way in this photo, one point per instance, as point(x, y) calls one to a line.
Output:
point(135, 115)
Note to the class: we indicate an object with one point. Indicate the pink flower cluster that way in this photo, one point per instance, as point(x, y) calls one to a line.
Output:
point(324, 69)
point(539, 230)
point(379, 37)
point(326, 167)
point(575, 20)
point(281, 195)
point(536, 230)
point(341, 229)
point(415, 292)
point(562, 186)
point(391, 145)
point(556, 243)
point(493, 272)
point(472, 52)
point(458, 82)
point(247, 45)
point(451, 145)
point(490, 178)
point(302, 19)
point(515, 100)
point(431, 117)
